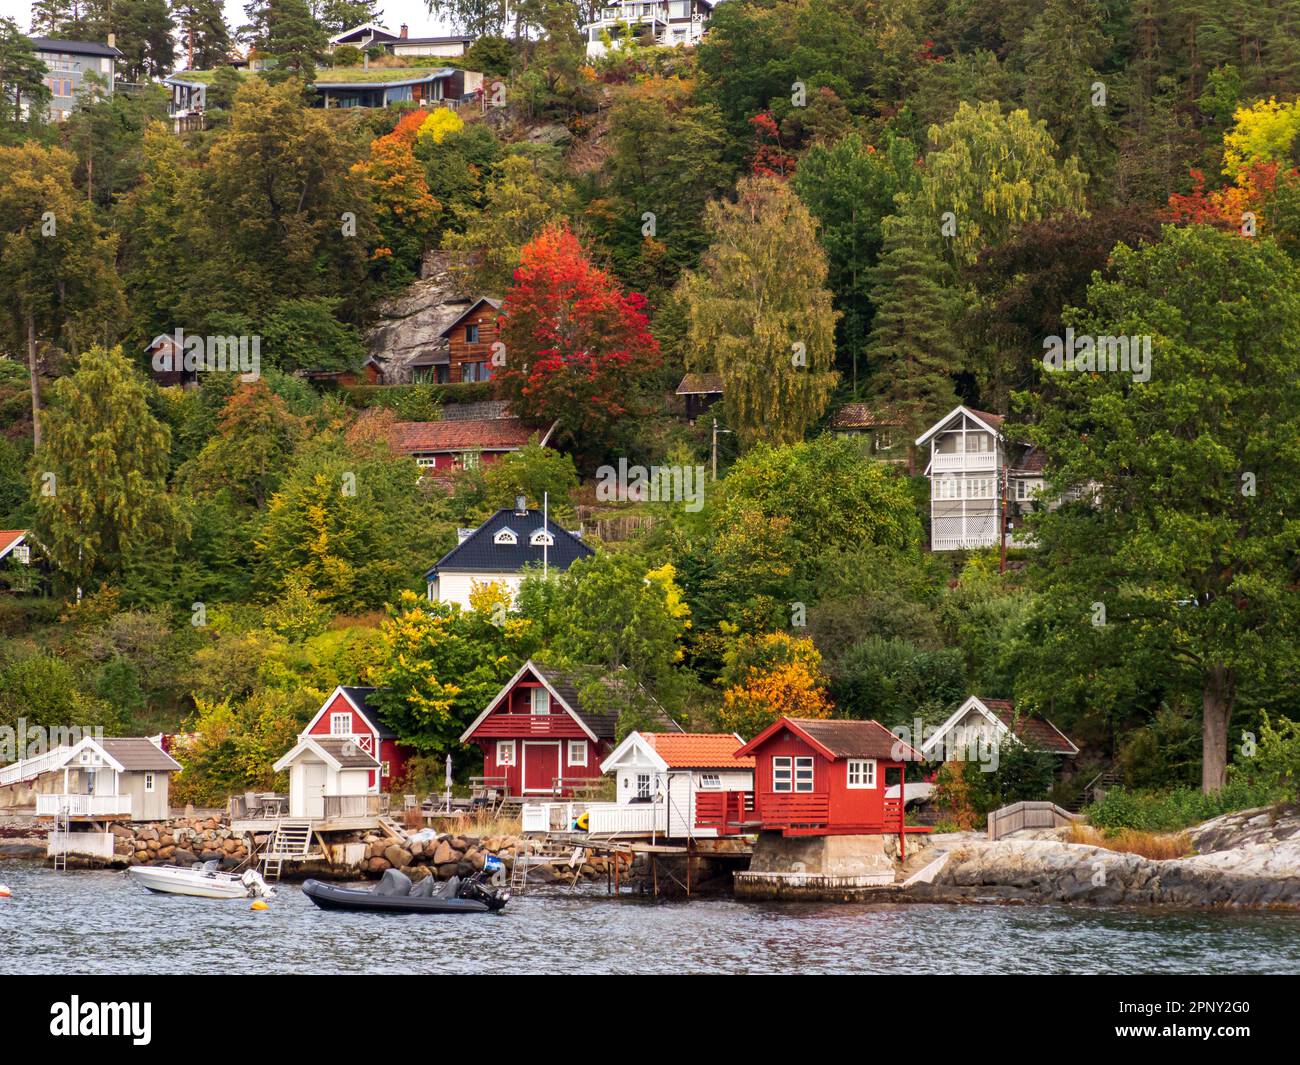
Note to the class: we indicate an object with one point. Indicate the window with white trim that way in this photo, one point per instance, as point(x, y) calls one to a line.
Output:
point(862, 772)
point(643, 785)
point(577, 752)
point(803, 774)
point(541, 538)
point(541, 701)
point(505, 536)
point(385, 769)
point(710, 782)
point(340, 724)
point(148, 783)
point(781, 773)
point(505, 752)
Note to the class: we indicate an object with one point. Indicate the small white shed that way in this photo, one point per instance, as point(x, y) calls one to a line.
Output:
point(326, 765)
point(696, 776)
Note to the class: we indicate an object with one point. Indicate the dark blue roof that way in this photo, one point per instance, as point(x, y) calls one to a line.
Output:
point(359, 696)
point(53, 44)
point(479, 554)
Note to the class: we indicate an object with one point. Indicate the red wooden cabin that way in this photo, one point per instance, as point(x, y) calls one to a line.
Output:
point(815, 777)
point(538, 738)
point(347, 712)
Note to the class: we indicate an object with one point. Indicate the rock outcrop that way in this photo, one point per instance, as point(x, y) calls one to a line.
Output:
point(410, 324)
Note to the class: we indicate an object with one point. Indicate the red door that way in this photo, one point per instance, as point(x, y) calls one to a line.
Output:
point(541, 765)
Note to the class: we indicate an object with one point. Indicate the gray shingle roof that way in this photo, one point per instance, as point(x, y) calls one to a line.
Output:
point(52, 44)
point(478, 554)
point(359, 695)
point(135, 753)
point(346, 752)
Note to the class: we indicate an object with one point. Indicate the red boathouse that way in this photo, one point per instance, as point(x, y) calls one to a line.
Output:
point(816, 777)
point(537, 736)
point(348, 713)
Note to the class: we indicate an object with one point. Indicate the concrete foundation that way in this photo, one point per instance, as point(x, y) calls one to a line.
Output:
point(816, 867)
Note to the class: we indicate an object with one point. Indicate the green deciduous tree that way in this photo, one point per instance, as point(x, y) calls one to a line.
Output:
point(761, 315)
point(100, 477)
point(1181, 546)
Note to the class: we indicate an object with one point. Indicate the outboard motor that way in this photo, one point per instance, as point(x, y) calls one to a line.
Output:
point(257, 887)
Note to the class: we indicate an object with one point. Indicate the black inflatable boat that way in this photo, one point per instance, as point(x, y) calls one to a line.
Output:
point(396, 894)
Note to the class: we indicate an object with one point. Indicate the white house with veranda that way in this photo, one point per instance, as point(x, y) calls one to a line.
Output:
point(666, 23)
point(970, 458)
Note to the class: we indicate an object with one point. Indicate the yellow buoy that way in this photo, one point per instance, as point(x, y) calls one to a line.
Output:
point(258, 904)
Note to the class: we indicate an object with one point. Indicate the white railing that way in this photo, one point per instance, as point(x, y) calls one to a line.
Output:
point(83, 805)
point(964, 460)
point(603, 818)
point(28, 768)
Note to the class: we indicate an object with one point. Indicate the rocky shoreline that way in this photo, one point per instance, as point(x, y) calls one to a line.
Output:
point(1248, 859)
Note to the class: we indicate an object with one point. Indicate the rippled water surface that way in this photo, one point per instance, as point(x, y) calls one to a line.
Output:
point(99, 922)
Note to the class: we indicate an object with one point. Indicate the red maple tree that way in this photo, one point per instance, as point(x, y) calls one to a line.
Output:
point(577, 347)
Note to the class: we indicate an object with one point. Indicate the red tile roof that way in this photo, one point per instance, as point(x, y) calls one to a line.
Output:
point(1036, 733)
point(698, 750)
point(993, 420)
point(8, 538)
point(469, 434)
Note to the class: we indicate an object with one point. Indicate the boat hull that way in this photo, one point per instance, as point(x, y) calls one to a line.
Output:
point(330, 897)
point(165, 881)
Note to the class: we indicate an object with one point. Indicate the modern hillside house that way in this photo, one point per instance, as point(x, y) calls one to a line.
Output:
point(371, 35)
point(498, 551)
point(969, 457)
point(70, 63)
point(367, 35)
point(668, 22)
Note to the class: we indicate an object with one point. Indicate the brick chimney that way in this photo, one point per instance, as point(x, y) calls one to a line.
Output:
point(402, 32)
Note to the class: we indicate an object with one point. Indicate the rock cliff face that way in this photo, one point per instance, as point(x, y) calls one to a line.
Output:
point(1251, 858)
point(410, 324)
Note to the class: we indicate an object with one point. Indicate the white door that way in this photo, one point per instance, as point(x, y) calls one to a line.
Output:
point(313, 789)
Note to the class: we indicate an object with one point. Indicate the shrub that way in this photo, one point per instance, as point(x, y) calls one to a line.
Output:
point(1175, 808)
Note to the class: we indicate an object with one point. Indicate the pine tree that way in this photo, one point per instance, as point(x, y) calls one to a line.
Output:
point(21, 74)
point(913, 346)
point(204, 33)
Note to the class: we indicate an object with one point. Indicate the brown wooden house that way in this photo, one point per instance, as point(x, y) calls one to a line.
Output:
point(469, 341)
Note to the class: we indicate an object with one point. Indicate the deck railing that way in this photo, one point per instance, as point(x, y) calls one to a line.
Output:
point(793, 808)
point(356, 805)
point(29, 768)
point(84, 805)
point(964, 460)
point(723, 810)
point(603, 818)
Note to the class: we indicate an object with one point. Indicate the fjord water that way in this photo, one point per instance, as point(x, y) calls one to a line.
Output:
point(100, 922)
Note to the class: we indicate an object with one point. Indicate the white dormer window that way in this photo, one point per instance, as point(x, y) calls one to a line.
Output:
point(541, 701)
point(542, 538)
point(340, 724)
point(506, 536)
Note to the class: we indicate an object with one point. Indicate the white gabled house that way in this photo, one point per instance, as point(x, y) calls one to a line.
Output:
point(969, 459)
point(992, 721)
point(701, 787)
point(666, 22)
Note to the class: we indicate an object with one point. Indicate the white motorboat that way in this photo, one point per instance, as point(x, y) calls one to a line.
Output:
point(203, 880)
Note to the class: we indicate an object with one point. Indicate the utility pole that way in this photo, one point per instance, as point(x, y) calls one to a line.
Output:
point(716, 431)
point(1002, 523)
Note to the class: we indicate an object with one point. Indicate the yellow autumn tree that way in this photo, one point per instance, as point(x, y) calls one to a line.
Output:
point(1262, 133)
point(439, 125)
point(776, 675)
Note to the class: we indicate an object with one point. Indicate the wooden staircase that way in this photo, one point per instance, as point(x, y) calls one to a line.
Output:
point(290, 840)
point(1106, 779)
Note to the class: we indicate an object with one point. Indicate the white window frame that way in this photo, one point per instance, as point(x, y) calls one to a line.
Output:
point(385, 769)
point(644, 786)
point(541, 537)
point(534, 700)
point(505, 536)
point(710, 782)
point(346, 718)
point(802, 766)
point(783, 774)
point(148, 783)
point(864, 769)
point(579, 746)
point(506, 752)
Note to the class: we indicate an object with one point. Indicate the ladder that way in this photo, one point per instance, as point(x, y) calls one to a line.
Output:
point(290, 839)
point(62, 826)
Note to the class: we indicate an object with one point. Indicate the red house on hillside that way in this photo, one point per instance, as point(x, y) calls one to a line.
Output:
point(538, 737)
point(347, 713)
point(815, 777)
